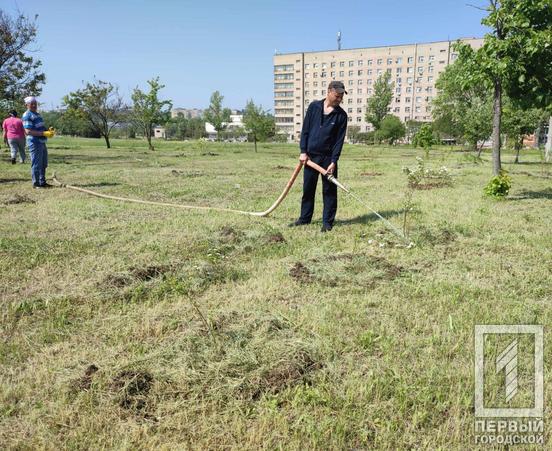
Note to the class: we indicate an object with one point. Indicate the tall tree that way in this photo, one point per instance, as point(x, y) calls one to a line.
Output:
point(515, 58)
point(258, 122)
point(148, 110)
point(518, 123)
point(20, 73)
point(378, 105)
point(465, 110)
point(391, 129)
point(216, 115)
point(98, 103)
point(352, 132)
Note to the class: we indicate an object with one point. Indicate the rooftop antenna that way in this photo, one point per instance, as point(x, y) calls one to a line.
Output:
point(339, 40)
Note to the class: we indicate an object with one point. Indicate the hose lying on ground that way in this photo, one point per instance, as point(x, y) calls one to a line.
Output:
point(265, 213)
point(190, 207)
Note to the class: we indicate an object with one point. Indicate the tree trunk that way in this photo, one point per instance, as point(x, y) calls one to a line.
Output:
point(548, 146)
point(148, 137)
point(497, 116)
point(107, 143)
point(516, 161)
point(255, 141)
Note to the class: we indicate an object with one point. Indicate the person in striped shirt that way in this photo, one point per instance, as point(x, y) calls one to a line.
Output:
point(37, 135)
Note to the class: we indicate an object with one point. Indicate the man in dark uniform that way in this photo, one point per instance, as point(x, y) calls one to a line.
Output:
point(322, 138)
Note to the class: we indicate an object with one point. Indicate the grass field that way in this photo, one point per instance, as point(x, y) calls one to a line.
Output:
point(139, 327)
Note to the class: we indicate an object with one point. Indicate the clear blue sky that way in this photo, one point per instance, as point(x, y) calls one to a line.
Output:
point(197, 47)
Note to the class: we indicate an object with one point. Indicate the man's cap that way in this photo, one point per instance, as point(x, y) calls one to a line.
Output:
point(338, 86)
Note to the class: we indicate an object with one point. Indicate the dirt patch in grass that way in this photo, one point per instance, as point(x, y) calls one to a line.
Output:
point(275, 238)
point(209, 154)
point(370, 174)
point(428, 186)
point(84, 382)
point(18, 199)
point(300, 273)
point(149, 272)
point(280, 167)
point(133, 388)
point(190, 174)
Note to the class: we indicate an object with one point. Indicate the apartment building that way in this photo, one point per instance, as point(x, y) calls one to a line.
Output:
point(300, 78)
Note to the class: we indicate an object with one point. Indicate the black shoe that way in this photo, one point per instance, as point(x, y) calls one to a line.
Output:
point(326, 228)
point(13, 160)
point(37, 186)
point(47, 185)
point(297, 223)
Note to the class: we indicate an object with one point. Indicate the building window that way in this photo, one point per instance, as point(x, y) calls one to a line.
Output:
point(332, 74)
point(418, 100)
point(389, 70)
point(359, 119)
point(399, 80)
point(315, 84)
point(360, 62)
point(332, 64)
point(350, 119)
point(323, 75)
point(349, 110)
point(359, 82)
point(283, 103)
point(283, 94)
point(410, 59)
point(369, 91)
point(399, 70)
point(453, 56)
point(429, 89)
point(380, 61)
point(283, 85)
point(369, 81)
point(315, 92)
point(349, 101)
point(351, 63)
point(419, 79)
point(359, 91)
point(379, 71)
point(369, 72)
point(418, 109)
point(409, 80)
point(307, 66)
point(407, 99)
point(407, 109)
point(420, 59)
point(341, 73)
point(431, 57)
point(420, 70)
point(315, 75)
point(418, 89)
point(351, 73)
point(359, 110)
point(408, 89)
point(307, 75)
point(307, 93)
point(369, 62)
point(359, 73)
point(342, 64)
point(350, 82)
point(324, 65)
point(398, 90)
point(409, 70)
point(315, 66)
point(359, 100)
point(399, 60)
point(283, 68)
point(397, 109)
point(430, 69)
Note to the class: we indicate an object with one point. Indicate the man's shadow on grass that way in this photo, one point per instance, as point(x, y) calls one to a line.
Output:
point(96, 185)
point(14, 180)
point(367, 218)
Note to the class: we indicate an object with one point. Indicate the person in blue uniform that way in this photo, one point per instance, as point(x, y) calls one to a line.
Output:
point(322, 138)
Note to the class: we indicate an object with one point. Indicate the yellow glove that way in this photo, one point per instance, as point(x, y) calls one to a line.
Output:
point(49, 133)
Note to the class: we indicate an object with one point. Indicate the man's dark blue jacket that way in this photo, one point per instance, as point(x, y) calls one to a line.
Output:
point(323, 135)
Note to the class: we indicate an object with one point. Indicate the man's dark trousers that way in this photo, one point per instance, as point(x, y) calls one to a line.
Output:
point(329, 192)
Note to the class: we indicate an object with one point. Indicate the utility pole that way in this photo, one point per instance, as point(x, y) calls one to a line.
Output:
point(339, 40)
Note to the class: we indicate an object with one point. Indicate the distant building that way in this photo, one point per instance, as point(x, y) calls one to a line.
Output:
point(236, 121)
point(188, 113)
point(300, 78)
point(159, 132)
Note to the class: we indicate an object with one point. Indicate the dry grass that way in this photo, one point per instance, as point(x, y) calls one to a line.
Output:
point(137, 327)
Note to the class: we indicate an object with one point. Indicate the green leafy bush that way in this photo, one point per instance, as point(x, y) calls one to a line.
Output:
point(499, 186)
